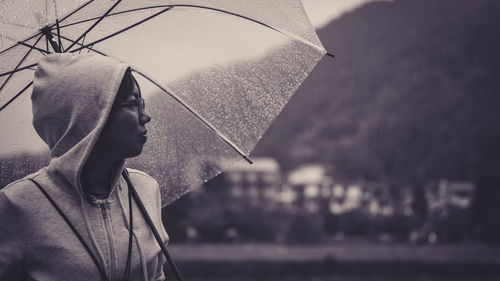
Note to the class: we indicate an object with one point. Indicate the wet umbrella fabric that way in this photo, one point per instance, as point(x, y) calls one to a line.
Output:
point(214, 74)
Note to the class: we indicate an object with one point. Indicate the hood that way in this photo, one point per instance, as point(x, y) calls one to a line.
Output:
point(72, 98)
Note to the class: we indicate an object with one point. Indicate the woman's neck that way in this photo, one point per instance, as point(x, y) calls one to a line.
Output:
point(96, 177)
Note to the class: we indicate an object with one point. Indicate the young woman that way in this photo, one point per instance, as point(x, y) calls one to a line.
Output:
point(89, 111)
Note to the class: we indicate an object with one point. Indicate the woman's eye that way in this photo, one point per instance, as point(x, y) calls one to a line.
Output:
point(129, 103)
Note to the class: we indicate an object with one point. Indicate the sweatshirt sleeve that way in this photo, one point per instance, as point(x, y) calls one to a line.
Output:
point(160, 276)
point(12, 245)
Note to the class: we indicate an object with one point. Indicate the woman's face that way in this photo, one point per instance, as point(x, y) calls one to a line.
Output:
point(124, 134)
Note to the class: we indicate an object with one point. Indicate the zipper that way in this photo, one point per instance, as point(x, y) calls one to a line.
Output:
point(104, 211)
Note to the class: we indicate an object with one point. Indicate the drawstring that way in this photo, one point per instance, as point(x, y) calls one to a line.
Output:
point(131, 226)
point(65, 218)
point(101, 270)
point(151, 225)
point(131, 192)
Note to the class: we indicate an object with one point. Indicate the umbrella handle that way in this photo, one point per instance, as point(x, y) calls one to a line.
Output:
point(46, 31)
point(146, 216)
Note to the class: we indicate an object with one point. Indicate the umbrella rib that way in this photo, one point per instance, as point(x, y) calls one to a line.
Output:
point(117, 13)
point(13, 39)
point(20, 62)
point(225, 139)
point(192, 111)
point(18, 25)
point(38, 33)
point(30, 67)
point(17, 70)
point(214, 9)
point(16, 96)
point(41, 50)
point(94, 24)
point(81, 44)
point(55, 9)
point(185, 105)
point(16, 44)
point(36, 48)
point(122, 30)
point(252, 20)
point(168, 8)
point(29, 84)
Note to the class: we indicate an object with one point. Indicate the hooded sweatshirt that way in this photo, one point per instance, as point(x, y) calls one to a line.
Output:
point(72, 99)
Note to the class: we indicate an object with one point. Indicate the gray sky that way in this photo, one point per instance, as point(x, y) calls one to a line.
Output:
point(321, 12)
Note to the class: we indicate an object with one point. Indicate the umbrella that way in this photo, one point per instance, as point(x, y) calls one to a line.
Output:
point(214, 74)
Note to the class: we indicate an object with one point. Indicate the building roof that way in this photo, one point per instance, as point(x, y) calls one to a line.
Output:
point(307, 174)
point(260, 164)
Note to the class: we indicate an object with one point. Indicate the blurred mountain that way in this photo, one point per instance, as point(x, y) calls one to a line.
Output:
point(412, 94)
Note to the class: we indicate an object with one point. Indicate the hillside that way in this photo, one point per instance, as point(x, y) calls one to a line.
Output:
point(411, 95)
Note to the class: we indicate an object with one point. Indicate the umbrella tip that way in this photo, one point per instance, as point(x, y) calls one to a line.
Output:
point(330, 54)
point(248, 159)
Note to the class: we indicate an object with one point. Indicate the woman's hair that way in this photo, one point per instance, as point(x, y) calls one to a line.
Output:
point(125, 87)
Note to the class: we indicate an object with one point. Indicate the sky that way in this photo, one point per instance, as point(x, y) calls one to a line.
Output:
point(320, 13)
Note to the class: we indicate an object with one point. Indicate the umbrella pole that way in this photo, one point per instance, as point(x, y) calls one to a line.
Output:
point(48, 34)
point(59, 36)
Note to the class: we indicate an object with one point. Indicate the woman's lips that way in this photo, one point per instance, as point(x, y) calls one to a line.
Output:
point(143, 136)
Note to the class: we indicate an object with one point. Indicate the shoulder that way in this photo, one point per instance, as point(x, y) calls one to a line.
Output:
point(148, 190)
point(24, 194)
point(17, 200)
point(16, 186)
point(142, 181)
point(141, 176)
point(19, 190)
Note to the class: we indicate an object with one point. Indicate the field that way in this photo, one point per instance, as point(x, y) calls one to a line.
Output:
point(367, 262)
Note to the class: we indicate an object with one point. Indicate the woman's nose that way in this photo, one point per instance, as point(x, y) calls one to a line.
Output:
point(144, 117)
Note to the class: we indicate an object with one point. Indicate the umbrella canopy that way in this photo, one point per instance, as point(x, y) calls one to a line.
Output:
point(214, 74)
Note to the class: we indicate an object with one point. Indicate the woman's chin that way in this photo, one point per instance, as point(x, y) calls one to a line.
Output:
point(134, 152)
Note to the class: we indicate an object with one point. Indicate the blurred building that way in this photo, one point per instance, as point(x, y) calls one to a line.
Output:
point(372, 198)
point(377, 199)
point(313, 188)
point(258, 185)
point(448, 206)
point(405, 201)
point(346, 197)
point(307, 188)
point(445, 195)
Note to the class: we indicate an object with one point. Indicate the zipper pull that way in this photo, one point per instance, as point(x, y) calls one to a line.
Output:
point(103, 210)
